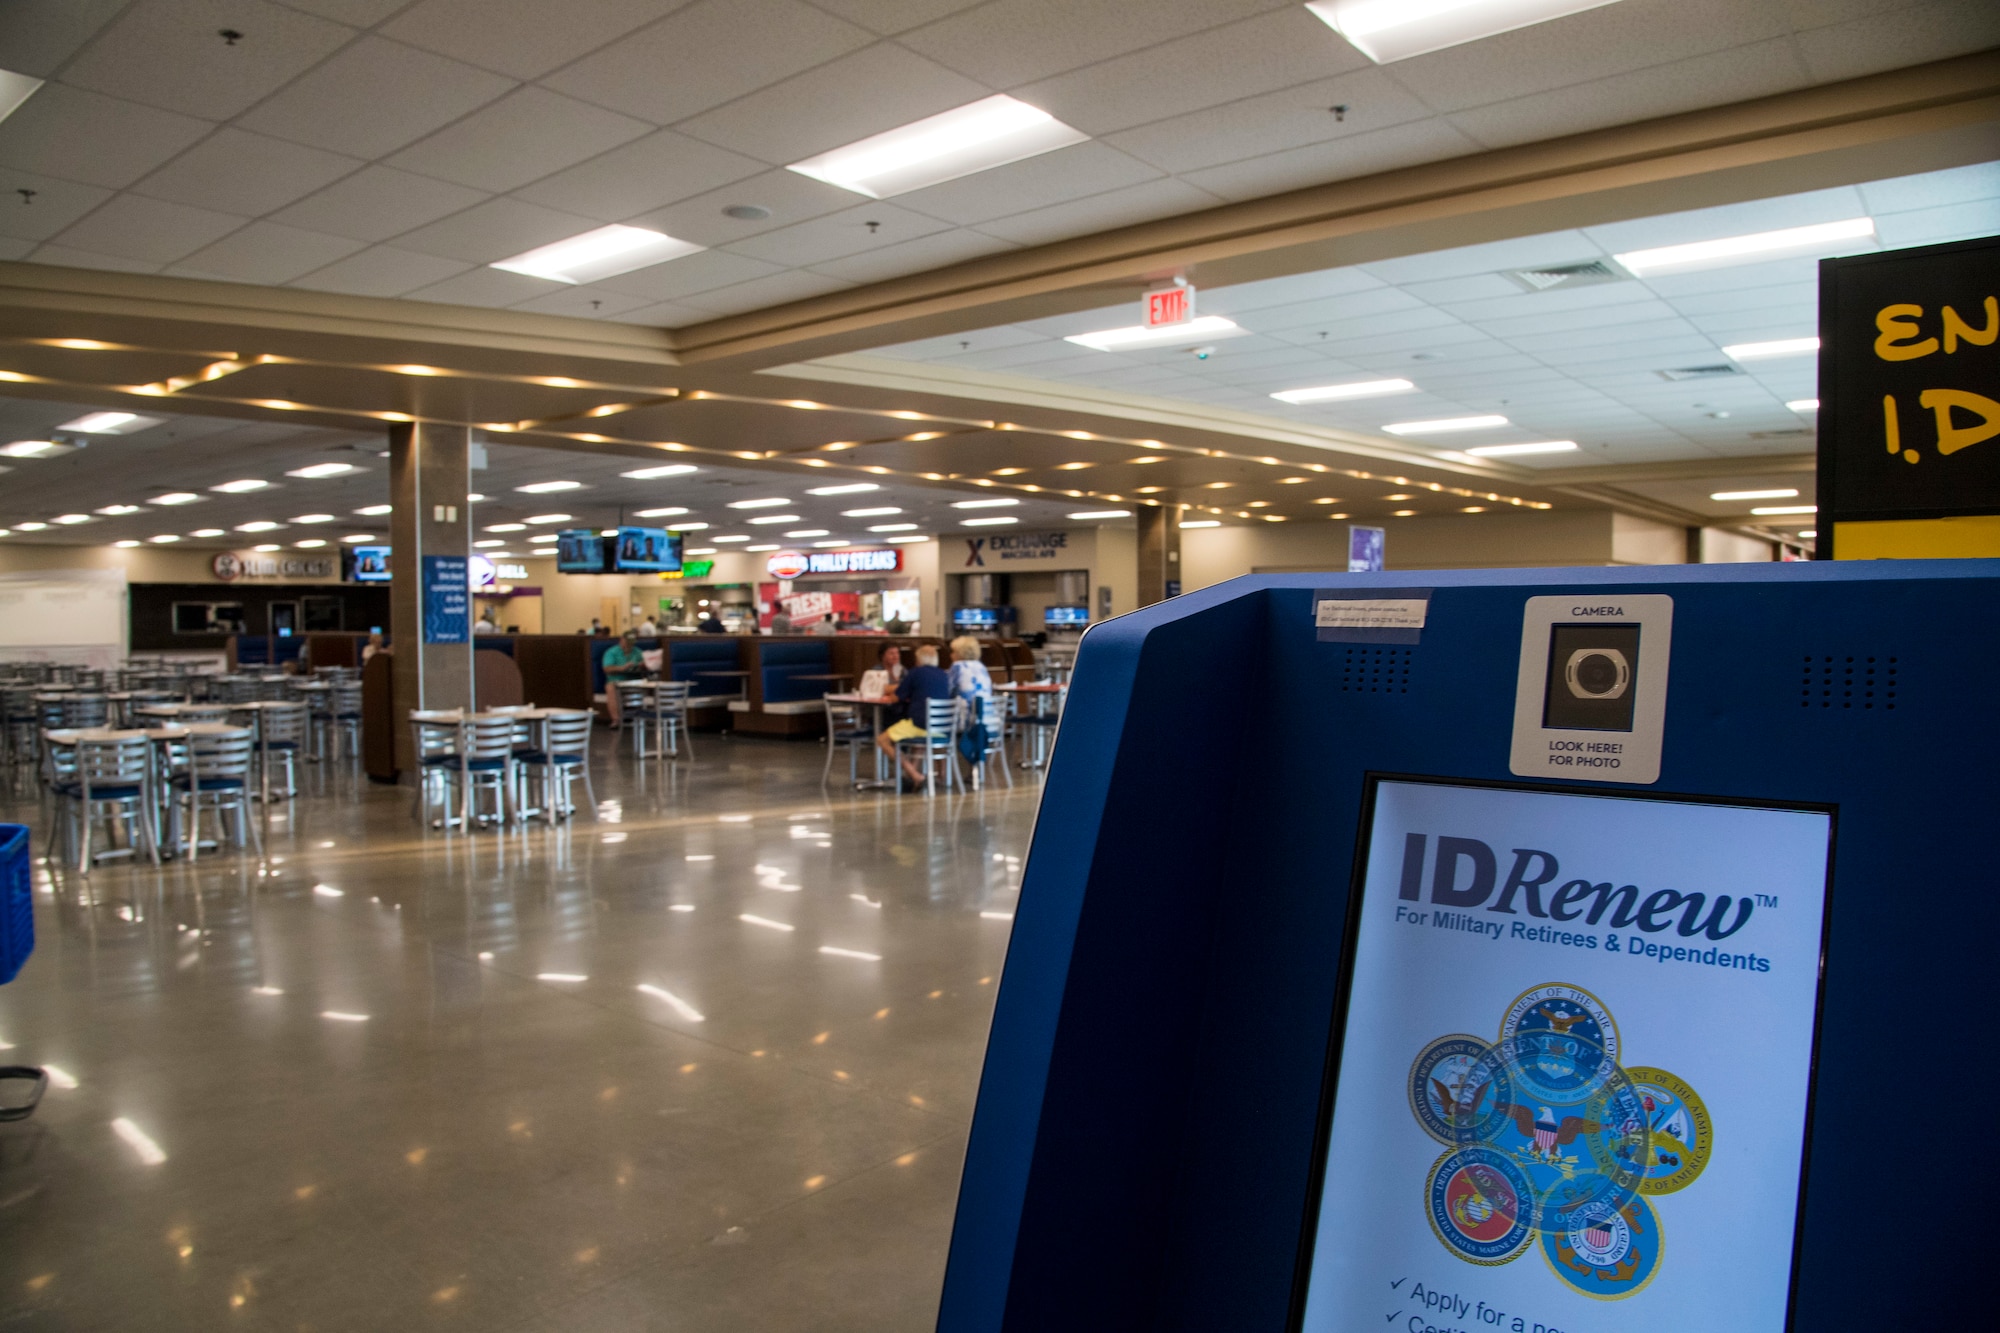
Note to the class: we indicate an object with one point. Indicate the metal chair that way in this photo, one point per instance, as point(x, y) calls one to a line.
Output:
point(635, 714)
point(670, 717)
point(992, 715)
point(437, 771)
point(345, 709)
point(486, 759)
point(846, 729)
point(107, 780)
point(20, 730)
point(283, 732)
point(566, 760)
point(937, 745)
point(216, 778)
point(81, 711)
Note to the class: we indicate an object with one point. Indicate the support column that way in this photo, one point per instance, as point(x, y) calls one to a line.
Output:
point(1159, 552)
point(430, 623)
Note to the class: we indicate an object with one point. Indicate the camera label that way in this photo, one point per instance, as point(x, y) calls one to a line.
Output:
point(1590, 701)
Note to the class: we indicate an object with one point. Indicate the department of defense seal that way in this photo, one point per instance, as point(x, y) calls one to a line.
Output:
point(1480, 1206)
point(1611, 1258)
point(1682, 1135)
point(1439, 1093)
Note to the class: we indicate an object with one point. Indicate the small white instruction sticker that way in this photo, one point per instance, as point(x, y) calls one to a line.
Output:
point(1371, 613)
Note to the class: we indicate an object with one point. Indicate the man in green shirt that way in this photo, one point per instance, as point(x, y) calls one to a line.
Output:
point(622, 661)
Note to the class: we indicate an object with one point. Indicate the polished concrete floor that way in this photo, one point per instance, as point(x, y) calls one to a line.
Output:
point(703, 1063)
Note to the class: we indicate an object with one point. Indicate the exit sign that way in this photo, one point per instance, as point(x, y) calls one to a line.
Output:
point(1169, 305)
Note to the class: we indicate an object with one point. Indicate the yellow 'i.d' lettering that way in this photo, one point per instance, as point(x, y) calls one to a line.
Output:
point(1892, 429)
point(1951, 436)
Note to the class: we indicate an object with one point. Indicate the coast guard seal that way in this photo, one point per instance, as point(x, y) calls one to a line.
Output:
point(1611, 1258)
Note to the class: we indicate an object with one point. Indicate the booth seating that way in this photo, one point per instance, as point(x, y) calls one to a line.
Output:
point(780, 698)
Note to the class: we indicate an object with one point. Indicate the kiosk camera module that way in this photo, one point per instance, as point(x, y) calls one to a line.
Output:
point(1593, 677)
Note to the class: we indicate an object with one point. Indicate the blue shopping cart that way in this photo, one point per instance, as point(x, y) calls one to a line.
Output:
point(17, 941)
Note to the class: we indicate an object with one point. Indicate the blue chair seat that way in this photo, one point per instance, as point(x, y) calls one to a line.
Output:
point(440, 761)
point(122, 792)
point(859, 734)
point(537, 757)
point(281, 745)
point(180, 780)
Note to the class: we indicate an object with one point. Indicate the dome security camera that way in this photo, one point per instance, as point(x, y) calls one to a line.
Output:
point(1204, 352)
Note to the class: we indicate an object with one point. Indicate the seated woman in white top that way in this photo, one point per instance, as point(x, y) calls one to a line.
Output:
point(970, 680)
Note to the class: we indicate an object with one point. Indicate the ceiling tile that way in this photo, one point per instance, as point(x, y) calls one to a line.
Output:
point(1332, 312)
point(381, 271)
point(76, 135)
point(949, 247)
point(376, 203)
point(1956, 186)
point(15, 248)
point(358, 13)
point(1257, 126)
point(265, 252)
point(1143, 202)
point(374, 97)
point(678, 278)
point(665, 315)
point(645, 174)
point(838, 234)
point(62, 254)
point(54, 205)
point(776, 289)
point(520, 138)
point(1950, 223)
point(38, 35)
point(1911, 35)
point(169, 53)
point(489, 287)
point(1067, 174)
point(893, 16)
point(151, 231)
point(1009, 42)
point(521, 38)
point(871, 90)
point(1258, 55)
point(1596, 44)
point(1735, 75)
point(1558, 247)
point(245, 173)
point(706, 54)
point(1364, 154)
point(496, 229)
point(790, 197)
point(582, 303)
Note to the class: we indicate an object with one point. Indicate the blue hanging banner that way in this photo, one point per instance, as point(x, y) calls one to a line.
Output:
point(447, 599)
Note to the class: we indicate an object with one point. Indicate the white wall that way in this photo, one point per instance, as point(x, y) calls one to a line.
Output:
point(1732, 548)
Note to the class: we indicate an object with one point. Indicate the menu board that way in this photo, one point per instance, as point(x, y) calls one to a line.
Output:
point(1570, 1090)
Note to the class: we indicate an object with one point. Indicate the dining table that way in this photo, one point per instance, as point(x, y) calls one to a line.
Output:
point(883, 780)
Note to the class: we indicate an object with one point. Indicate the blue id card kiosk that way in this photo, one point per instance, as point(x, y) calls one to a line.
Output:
point(1546, 951)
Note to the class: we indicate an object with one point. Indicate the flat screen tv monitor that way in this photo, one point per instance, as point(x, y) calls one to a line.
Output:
point(645, 551)
point(368, 564)
point(1065, 617)
point(1572, 1060)
point(975, 618)
point(579, 551)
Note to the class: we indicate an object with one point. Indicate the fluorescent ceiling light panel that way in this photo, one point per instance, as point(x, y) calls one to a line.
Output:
point(759, 504)
point(1201, 523)
point(1445, 426)
point(1777, 493)
point(1514, 450)
point(505, 527)
point(594, 255)
point(983, 504)
point(119, 509)
point(545, 537)
point(318, 470)
point(548, 518)
point(1744, 249)
point(352, 537)
point(663, 470)
point(374, 511)
point(258, 525)
point(850, 488)
point(240, 487)
point(892, 527)
point(314, 518)
point(876, 512)
point(1390, 30)
point(1103, 513)
point(976, 137)
point(1804, 405)
point(1173, 335)
point(761, 548)
point(1764, 511)
point(31, 526)
point(110, 423)
point(903, 539)
point(14, 90)
point(686, 527)
point(549, 487)
point(669, 512)
point(989, 522)
point(31, 448)
point(174, 498)
point(1329, 393)
point(734, 537)
point(70, 520)
point(777, 518)
point(217, 532)
point(808, 532)
point(1764, 351)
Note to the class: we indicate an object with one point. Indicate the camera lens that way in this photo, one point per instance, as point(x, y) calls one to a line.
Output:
point(1596, 674)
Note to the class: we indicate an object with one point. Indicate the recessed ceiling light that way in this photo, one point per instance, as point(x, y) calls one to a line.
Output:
point(318, 470)
point(1779, 347)
point(809, 532)
point(1445, 426)
point(110, 423)
point(128, 542)
point(906, 539)
point(31, 526)
point(848, 488)
point(1139, 336)
point(1391, 30)
point(268, 546)
point(1073, 467)
point(766, 503)
point(1804, 405)
point(1328, 393)
point(165, 538)
point(1733, 249)
point(314, 518)
point(892, 527)
point(1776, 493)
point(549, 487)
point(870, 513)
point(1403, 513)
point(32, 448)
point(548, 518)
point(374, 511)
point(607, 532)
point(474, 498)
point(240, 487)
point(1017, 471)
point(686, 527)
point(734, 537)
point(119, 509)
point(206, 532)
point(174, 498)
point(308, 543)
point(505, 527)
point(1808, 532)
point(488, 544)
point(1511, 450)
point(976, 137)
point(71, 520)
point(351, 537)
point(259, 525)
point(983, 504)
point(699, 550)
point(984, 522)
point(1200, 523)
point(545, 537)
point(767, 519)
point(663, 470)
point(603, 253)
point(771, 547)
point(1762, 511)
point(668, 512)
point(1103, 513)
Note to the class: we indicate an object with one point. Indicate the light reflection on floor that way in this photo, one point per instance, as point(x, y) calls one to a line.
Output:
point(703, 1063)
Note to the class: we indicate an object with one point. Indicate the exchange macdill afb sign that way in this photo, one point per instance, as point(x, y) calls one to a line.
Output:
point(1015, 547)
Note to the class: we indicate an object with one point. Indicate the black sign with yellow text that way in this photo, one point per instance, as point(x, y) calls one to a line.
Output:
point(1909, 377)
